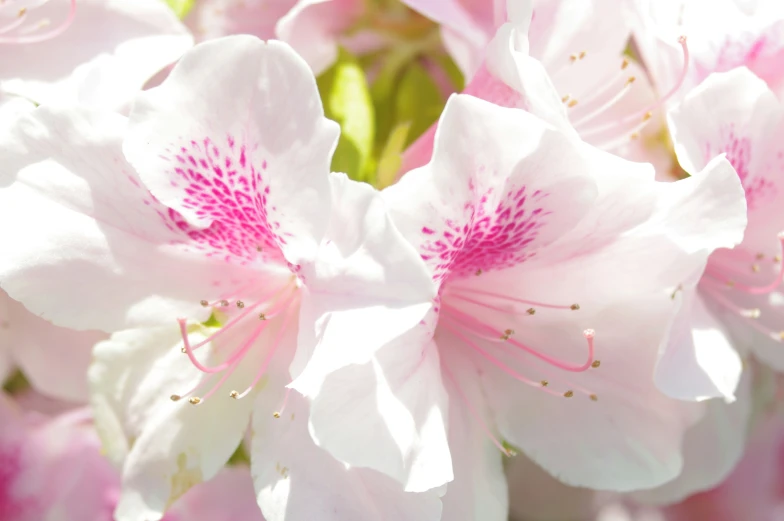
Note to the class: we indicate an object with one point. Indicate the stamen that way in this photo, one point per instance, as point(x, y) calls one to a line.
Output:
point(279, 412)
point(268, 358)
point(195, 400)
point(204, 303)
point(504, 297)
point(35, 38)
point(568, 394)
point(471, 323)
point(764, 290)
point(493, 360)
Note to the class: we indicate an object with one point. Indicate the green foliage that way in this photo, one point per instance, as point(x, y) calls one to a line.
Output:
point(346, 97)
point(418, 101)
point(181, 7)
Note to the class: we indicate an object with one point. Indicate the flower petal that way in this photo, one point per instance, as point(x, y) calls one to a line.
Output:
point(619, 445)
point(173, 445)
point(54, 359)
point(367, 287)
point(236, 136)
point(497, 176)
point(711, 449)
point(388, 414)
point(96, 251)
point(297, 481)
point(107, 54)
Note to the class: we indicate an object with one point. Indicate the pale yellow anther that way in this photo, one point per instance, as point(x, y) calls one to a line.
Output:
point(175, 397)
point(574, 307)
point(582, 54)
point(568, 394)
point(596, 363)
point(594, 397)
point(262, 316)
point(777, 259)
point(755, 268)
point(530, 311)
point(195, 400)
point(565, 98)
point(781, 336)
point(572, 103)
point(204, 303)
point(753, 313)
point(647, 116)
point(183, 349)
point(631, 80)
point(760, 256)
point(544, 383)
point(276, 414)
point(624, 63)
point(240, 304)
point(22, 12)
point(224, 303)
point(234, 394)
point(572, 58)
point(635, 136)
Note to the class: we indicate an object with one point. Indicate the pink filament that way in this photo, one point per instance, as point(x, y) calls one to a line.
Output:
point(265, 364)
point(493, 360)
point(505, 297)
point(650, 108)
point(468, 321)
point(474, 412)
point(57, 31)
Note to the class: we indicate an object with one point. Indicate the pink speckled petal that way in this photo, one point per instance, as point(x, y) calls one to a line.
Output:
point(297, 481)
point(93, 249)
point(501, 185)
point(236, 137)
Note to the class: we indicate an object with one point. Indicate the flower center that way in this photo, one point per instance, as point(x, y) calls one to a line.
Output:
point(592, 115)
point(16, 26)
point(279, 303)
point(457, 318)
point(720, 285)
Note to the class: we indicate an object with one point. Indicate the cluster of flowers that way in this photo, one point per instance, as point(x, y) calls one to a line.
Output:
point(547, 286)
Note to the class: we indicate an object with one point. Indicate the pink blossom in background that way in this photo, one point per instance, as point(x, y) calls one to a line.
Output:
point(723, 35)
point(51, 467)
point(96, 52)
point(733, 113)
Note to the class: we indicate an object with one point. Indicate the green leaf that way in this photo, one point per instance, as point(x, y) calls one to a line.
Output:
point(346, 97)
point(181, 7)
point(390, 160)
point(418, 101)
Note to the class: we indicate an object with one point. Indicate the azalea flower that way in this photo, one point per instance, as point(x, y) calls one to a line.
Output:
point(96, 52)
point(231, 236)
point(736, 114)
point(538, 60)
point(723, 35)
point(53, 469)
point(554, 265)
point(314, 28)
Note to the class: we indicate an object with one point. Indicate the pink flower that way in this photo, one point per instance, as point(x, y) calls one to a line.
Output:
point(723, 34)
point(51, 467)
point(547, 254)
point(538, 61)
point(97, 52)
point(314, 28)
point(732, 113)
point(208, 230)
